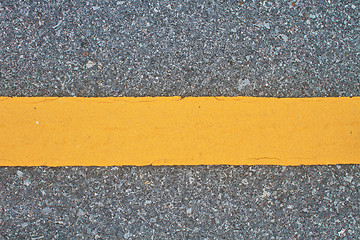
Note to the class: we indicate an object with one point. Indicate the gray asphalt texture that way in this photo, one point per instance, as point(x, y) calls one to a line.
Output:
point(203, 202)
point(187, 48)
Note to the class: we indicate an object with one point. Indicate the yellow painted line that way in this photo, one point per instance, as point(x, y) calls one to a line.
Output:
point(175, 131)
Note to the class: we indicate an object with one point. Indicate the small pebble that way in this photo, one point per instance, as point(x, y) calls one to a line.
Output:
point(20, 173)
point(27, 182)
point(90, 64)
point(80, 213)
point(25, 224)
point(189, 211)
point(348, 178)
point(243, 83)
point(284, 37)
point(46, 211)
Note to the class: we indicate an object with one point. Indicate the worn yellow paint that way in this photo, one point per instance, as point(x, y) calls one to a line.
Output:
point(175, 131)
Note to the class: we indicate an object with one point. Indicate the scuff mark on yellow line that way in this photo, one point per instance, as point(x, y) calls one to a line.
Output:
point(174, 131)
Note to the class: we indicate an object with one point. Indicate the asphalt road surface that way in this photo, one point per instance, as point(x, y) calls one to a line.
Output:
point(187, 48)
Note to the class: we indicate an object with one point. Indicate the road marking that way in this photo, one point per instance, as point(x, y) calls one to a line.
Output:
point(175, 131)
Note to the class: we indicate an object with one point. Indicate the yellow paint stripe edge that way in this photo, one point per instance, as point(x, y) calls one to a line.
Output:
point(174, 131)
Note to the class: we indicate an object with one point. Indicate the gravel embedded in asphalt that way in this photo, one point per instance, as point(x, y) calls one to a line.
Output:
point(186, 48)
point(190, 202)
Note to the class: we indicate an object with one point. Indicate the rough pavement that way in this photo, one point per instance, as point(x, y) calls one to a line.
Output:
point(203, 202)
point(188, 48)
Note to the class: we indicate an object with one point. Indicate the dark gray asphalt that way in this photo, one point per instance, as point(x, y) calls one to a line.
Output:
point(163, 48)
point(222, 202)
point(151, 48)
